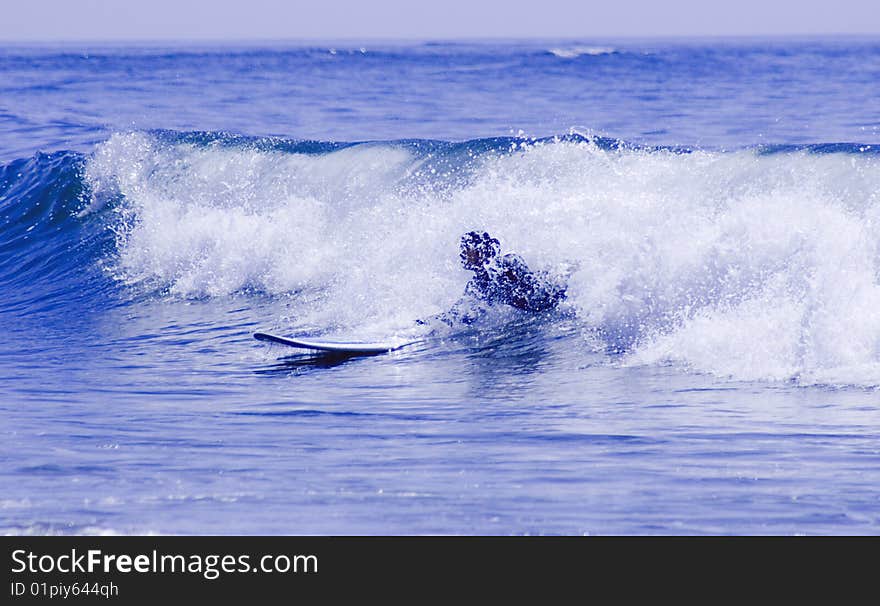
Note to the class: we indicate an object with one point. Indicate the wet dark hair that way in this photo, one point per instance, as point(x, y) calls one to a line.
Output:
point(487, 246)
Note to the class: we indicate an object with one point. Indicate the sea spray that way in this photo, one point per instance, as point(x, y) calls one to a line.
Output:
point(751, 264)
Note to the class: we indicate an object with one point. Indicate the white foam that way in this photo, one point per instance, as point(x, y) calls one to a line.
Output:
point(749, 266)
point(577, 51)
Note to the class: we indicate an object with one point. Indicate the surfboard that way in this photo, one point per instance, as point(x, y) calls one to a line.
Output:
point(349, 347)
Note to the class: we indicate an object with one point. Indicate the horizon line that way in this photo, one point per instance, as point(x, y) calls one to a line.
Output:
point(428, 39)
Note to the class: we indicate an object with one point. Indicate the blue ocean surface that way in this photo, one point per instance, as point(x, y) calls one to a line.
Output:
point(712, 205)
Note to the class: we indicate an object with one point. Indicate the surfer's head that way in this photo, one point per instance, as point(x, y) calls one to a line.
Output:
point(477, 249)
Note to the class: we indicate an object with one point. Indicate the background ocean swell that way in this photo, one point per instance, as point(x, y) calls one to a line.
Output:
point(698, 92)
point(752, 264)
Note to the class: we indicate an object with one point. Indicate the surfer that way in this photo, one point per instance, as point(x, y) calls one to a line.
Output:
point(500, 279)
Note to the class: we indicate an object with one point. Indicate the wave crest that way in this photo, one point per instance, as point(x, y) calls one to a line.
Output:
point(745, 264)
point(578, 51)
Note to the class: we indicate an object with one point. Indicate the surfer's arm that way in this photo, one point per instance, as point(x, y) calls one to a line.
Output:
point(466, 310)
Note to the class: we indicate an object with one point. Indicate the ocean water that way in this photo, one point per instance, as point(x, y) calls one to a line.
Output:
point(713, 205)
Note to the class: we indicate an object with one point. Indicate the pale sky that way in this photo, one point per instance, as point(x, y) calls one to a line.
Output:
point(132, 20)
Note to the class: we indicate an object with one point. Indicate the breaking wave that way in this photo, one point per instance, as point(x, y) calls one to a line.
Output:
point(755, 264)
